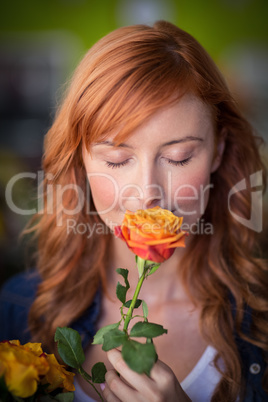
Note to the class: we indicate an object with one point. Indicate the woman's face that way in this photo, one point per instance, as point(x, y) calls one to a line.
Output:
point(167, 161)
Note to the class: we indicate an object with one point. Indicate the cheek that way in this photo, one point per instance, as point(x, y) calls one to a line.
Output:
point(104, 191)
point(191, 196)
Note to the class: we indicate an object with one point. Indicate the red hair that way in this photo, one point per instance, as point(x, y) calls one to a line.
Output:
point(122, 80)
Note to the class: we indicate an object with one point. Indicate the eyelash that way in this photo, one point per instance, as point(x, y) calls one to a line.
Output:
point(180, 163)
point(116, 165)
point(113, 165)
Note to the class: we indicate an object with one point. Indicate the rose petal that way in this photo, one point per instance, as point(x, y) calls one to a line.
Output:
point(152, 234)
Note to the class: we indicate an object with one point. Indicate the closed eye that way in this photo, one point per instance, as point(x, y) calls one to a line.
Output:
point(114, 165)
point(179, 163)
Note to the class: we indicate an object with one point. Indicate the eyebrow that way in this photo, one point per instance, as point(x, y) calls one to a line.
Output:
point(112, 144)
point(184, 139)
point(166, 144)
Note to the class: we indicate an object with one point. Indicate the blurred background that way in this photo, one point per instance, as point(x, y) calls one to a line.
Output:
point(41, 43)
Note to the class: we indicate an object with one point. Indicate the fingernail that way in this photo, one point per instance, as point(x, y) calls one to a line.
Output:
point(102, 385)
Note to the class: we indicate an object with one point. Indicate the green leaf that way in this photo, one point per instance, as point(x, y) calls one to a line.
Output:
point(4, 390)
point(145, 309)
point(121, 290)
point(113, 339)
point(70, 347)
point(139, 357)
point(147, 330)
point(98, 338)
point(44, 398)
point(62, 397)
point(124, 273)
point(153, 269)
point(141, 263)
point(98, 373)
point(65, 397)
point(137, 304)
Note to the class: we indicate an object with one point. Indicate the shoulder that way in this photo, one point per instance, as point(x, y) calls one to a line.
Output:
point(16, 298)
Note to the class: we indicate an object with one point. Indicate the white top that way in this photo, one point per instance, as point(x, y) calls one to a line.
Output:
point(199, 384)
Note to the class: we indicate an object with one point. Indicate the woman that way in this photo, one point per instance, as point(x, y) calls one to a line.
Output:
point(148, 120)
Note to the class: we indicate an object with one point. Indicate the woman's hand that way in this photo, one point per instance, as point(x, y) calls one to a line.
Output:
point(161, 386)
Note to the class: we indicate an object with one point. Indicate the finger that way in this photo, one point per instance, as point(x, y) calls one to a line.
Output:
point(166, 379)
point(119, 388)
point(137, 381)
point(157, 370)
point(163, 375)
point(108, 394)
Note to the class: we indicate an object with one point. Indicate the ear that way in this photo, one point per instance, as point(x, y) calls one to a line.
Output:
point(219, 151)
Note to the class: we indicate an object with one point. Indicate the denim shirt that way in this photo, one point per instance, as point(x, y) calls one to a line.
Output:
point(18, 294)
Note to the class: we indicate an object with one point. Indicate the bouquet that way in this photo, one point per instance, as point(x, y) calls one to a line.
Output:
point(29, 374)
point(153, 236)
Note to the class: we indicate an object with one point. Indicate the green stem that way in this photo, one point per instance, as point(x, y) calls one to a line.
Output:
point(87, 377)
point(133, 302)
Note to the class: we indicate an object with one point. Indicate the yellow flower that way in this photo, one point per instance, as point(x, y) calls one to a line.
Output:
point(21, 368)
point(57, 376)
point(24, 367)
point(34, 347)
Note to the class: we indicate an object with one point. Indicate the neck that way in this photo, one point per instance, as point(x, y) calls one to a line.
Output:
point(162, 286)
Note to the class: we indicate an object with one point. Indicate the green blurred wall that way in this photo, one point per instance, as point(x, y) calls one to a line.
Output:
point(215, 23)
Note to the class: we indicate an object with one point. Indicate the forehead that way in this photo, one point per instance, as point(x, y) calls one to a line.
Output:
point(188, 111)
point(187, 117)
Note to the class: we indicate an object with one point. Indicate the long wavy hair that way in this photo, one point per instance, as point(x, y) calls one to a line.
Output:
point(123, 79)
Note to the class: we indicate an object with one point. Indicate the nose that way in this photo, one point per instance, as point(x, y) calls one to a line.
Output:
point(151, 187)
point(153, 195)
point(144, 189)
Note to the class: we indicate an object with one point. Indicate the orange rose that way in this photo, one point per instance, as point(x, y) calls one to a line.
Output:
point(152, 234)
